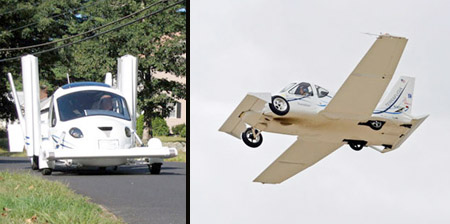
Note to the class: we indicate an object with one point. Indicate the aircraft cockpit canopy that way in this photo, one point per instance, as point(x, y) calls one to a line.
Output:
point(303, 89)
point(90, 103)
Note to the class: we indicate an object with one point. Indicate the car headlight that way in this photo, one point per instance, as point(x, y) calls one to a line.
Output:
point(127, 132)
point(76, 133)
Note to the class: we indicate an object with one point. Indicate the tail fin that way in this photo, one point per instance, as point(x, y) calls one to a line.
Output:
point(399, 100)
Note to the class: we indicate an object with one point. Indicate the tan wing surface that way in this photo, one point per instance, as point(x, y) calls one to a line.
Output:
point(299, 156)
point(361, 92)
point(254, 102)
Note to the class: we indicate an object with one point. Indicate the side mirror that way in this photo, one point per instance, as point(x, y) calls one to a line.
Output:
point(323, 93)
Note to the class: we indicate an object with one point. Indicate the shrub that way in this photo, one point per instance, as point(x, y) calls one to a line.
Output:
point(183, 132)
point(160, 127)
point(140, 125)
point(176, 130)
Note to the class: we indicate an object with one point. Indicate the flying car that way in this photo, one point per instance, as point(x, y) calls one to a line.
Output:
point(83, 124)
point(324, 121)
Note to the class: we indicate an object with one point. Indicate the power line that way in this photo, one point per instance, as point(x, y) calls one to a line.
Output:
point(54, 16)
point(98, 34)
point(80, 34)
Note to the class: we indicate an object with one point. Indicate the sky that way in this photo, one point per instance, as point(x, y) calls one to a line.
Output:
point(261, 46)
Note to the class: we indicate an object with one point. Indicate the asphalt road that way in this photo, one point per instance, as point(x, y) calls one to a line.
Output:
point(131, 192)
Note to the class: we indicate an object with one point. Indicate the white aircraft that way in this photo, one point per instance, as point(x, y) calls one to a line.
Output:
point(86, 123)
point(324, 121)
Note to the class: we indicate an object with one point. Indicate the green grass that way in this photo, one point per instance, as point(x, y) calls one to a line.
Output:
point(180, 158)
point(5, 152)
point(171, 138)
point(26, 198)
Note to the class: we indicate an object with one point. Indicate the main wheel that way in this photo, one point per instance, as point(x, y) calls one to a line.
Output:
point(46, 171)
point(279, 105)
point(155, 168)
point(251, 140)
point(376, 125)
point(35, 162)
point(357, 146)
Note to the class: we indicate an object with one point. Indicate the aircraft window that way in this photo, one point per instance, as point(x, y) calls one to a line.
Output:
point(303, 89)
point(288, 87)
point(321, 92)
point(90, 103)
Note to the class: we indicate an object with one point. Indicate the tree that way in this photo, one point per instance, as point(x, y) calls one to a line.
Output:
point(159, 41)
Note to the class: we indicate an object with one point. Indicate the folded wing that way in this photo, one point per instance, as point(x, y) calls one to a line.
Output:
point(299, 156)
point(361, 92)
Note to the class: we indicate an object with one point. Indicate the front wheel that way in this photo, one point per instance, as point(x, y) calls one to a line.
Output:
point(35, 162)
point(250, 139)
point(46, 171)
point(279, 105)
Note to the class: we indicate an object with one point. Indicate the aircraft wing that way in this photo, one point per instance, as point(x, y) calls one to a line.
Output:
point(299, 156)
point(361, 92)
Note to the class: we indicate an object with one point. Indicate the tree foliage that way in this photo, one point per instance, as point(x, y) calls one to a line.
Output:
point(158, 42)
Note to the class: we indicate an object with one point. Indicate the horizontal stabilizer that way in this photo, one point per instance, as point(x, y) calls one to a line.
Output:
point(415, 123)
point(252, 102)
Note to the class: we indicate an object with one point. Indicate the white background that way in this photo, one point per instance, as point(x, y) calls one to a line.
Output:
point(261, 46)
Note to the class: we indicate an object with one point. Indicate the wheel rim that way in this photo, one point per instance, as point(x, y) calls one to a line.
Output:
point(280, 104)
point(376, 124)
point(252, 138)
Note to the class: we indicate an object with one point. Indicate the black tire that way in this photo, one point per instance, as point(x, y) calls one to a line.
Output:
point(250, 140)
point(46, 171)
point(35, 163)
point(357, 145)
point(279, 105)
point(155, 168)
point(376, 125)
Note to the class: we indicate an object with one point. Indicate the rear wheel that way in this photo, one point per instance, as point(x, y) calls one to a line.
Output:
point(250, 139)
point(155, 168)
point(376, 125)
point(357, 145)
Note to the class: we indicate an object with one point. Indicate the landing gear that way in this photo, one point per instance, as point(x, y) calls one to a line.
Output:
point(46, 171)
point(252, 137)
point(35, 162)
point(279, 105)
point(355, 144)
point(155, 168)
point(374, 124)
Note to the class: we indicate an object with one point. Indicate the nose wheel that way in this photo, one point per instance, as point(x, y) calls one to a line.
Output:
point(279, 105)
point(252, 137)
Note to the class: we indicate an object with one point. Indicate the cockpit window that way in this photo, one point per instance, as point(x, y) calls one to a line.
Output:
point(287, 87)
point(90, 103)
point(303, 89)
point(321, 92)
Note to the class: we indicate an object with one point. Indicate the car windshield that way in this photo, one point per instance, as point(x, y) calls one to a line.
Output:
point(287, 87)
point(90, 103)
